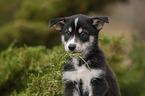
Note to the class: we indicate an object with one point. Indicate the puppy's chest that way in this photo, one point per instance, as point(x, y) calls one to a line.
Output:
point(81, 73)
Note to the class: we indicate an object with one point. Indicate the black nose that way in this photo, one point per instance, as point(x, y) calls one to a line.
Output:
point(72, 47)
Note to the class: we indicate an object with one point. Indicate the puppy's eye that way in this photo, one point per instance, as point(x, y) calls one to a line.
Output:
point(67, 32)
point(84, 34)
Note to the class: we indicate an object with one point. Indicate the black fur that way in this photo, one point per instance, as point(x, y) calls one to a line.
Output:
point(106, 84)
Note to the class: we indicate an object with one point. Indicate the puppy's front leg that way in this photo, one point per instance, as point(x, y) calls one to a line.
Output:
point(71, 89)
point(99, 83)
point(99, 86)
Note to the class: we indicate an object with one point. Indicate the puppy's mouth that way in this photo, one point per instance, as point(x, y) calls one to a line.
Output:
point(74, 52)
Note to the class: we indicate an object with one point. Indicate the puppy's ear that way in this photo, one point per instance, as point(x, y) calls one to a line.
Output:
point(58, 23)
point(99, 22)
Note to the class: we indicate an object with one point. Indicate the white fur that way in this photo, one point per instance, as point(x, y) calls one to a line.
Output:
point(82, 73)
point(76, 21)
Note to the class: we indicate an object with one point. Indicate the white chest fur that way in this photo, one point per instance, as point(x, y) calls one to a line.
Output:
point(82, 73)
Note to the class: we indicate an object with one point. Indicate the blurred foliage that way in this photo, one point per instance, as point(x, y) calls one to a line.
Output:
point(26, 20)
point(37, 71)
point(128, 63)
point(8, 8)
point(44, 10)
point(136, 72)
point(28, 32)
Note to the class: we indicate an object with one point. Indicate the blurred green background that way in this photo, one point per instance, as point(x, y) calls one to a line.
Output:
point(32, 56)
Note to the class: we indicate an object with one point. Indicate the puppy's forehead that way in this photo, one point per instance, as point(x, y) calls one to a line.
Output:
point(77, 20)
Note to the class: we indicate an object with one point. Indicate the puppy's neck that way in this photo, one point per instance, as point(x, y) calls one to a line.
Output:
point(95, 50)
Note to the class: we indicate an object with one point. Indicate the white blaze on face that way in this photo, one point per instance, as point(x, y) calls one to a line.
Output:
point(76, 22)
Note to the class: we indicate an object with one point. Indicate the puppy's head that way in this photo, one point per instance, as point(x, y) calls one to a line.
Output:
point(79, 32)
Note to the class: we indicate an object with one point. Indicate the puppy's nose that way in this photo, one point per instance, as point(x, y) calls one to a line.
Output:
point(72, 47)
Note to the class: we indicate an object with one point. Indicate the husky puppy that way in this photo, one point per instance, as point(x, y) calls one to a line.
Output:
point(80, 35)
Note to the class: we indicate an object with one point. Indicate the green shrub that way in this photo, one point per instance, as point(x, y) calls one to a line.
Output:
point(41, 65)
point(15, 65)
point(49, 82)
